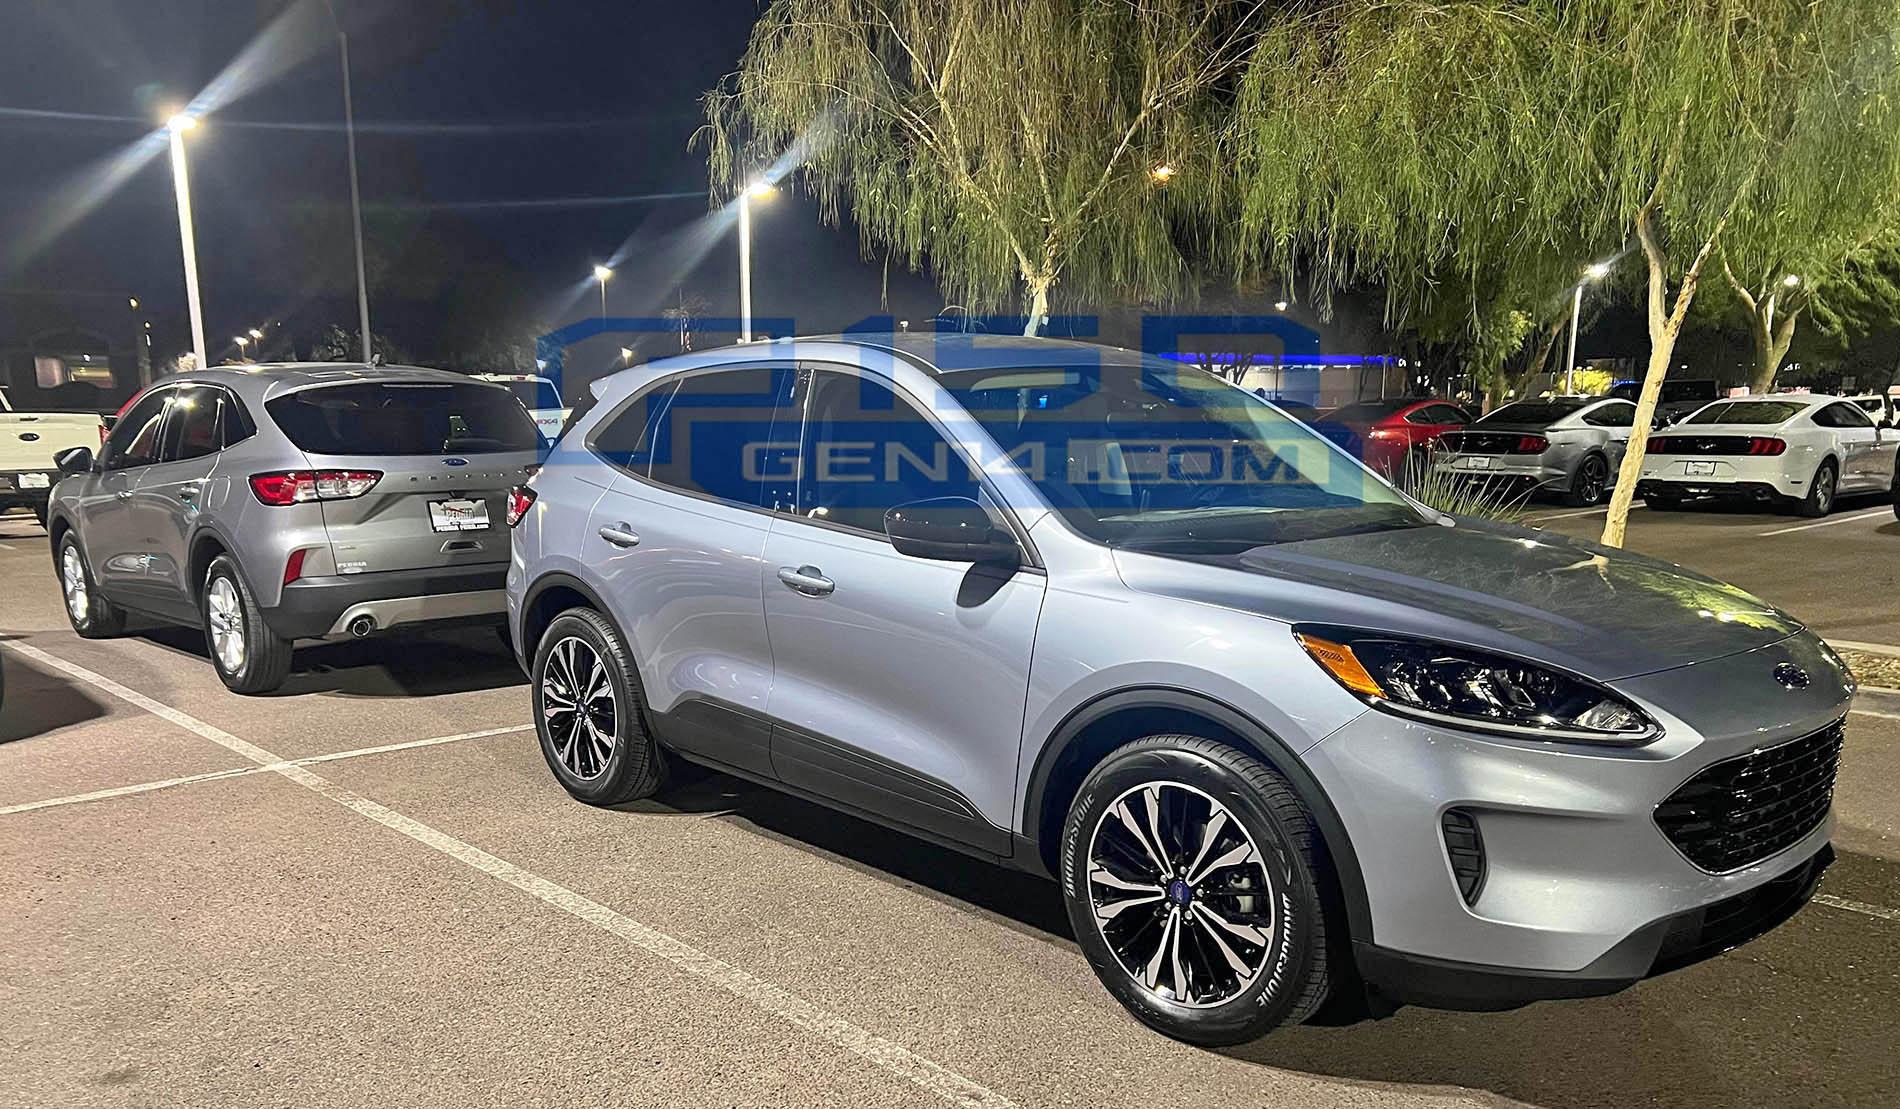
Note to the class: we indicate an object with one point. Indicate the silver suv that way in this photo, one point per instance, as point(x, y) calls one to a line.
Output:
point(273, 503)
point(1279, 732)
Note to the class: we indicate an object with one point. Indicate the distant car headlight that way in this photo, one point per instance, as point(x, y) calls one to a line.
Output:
point(1469, 688)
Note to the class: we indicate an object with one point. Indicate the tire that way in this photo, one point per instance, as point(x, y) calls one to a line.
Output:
point(1589, 483)
point(87, 609)
point(1821, 492)
point(580, 649)
point(248, 656)
point(1290, 954)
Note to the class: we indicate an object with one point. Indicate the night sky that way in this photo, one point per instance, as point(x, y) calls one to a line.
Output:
point(505, 147)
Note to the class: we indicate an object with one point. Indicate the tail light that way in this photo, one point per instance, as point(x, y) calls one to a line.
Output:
point(1658, 445)
point(520, 499)
point(1531, 444)
point(286, 487)
point(1758, 444)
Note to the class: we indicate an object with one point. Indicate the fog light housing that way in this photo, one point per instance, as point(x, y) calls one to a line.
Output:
point(1464, 846)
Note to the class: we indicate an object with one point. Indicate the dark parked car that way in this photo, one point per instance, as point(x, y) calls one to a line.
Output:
point(1395, 435)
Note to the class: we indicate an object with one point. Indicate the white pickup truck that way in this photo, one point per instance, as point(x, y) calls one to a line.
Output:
point(539, 396)
point(28, 442)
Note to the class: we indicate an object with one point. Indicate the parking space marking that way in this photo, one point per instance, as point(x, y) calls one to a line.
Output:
point(786, 1006)
point(1830, 523)
point(1871, 712)
point(241, 771)
point(1857, 906)
point(1864, 648)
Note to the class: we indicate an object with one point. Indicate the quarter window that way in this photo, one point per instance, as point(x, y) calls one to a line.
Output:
point(713, 436)
point(1621, 414)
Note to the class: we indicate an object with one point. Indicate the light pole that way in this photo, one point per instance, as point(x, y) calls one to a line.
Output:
point(242, 342)
point(356, 198)
point(181, 186)
point(601, 274)
point(1594, 272)
point(761, 190)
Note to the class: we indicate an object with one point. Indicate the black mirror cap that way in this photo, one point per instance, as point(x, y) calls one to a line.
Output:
point(74, 460)
point(949, 529)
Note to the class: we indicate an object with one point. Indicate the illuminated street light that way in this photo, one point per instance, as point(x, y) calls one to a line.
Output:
point(241, 341)
point(256, 334)
point(177, 125)
point(757, 190)
point(626, 356)
point(1595, 271)
point(1279, 306)
point(132, 303)
point(601, 274)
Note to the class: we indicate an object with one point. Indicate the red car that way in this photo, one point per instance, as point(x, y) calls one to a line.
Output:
point(1393, 430)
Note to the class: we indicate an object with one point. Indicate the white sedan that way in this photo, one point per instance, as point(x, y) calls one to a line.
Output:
point(1794, 449)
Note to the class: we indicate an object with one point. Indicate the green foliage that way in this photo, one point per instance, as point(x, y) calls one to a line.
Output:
point(1460, 495)
point(1009, 144)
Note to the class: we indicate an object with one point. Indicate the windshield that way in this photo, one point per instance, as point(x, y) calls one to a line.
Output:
point(1172, 458)
point(398, 418)
point(1537, 413)
point(1748, 412)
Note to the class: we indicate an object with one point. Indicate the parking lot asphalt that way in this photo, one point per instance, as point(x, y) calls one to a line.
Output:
point(368, 890)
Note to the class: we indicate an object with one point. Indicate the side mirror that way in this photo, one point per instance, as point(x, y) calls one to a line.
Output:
point(950, 529)
point(74, 460)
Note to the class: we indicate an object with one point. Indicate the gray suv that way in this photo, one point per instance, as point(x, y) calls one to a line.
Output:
point(273, 503)
point(1279, 732)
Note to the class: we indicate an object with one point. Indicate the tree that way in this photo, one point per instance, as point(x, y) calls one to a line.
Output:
point(1414, 142)
point(1011, 144)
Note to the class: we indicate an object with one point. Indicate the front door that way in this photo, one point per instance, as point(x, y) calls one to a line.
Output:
point(168, 498)
point(898, 682)
point(115, 543)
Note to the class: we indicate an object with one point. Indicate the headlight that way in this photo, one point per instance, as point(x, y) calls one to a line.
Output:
point(1474, 689)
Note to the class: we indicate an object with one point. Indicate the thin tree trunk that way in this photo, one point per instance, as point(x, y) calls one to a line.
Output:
point(1771, 345)
point(1038, 302)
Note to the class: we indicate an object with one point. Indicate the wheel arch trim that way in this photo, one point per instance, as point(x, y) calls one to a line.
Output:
point(557, 579)
point(1262, 742)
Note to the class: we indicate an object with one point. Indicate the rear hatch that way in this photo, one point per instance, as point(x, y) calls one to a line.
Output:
point(443, 456)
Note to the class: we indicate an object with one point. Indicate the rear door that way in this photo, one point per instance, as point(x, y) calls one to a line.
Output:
point(443, 456)
point(1616, 418)
point(677, 546)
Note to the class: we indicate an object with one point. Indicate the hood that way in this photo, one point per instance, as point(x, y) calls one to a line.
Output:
point(1601, 612)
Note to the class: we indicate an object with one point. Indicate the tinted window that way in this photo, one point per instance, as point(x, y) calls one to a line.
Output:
point(1748, 412)
point(194, 429)
point(1439, 414)
point(1535, 413)
point(1620, 414)
point(535, 394)
point(1842, 415)
point(405, 418)
point(134, 439)
point(626, 437)
point(716, 436)
point(866, 450)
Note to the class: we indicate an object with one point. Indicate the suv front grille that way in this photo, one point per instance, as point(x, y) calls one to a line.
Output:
point(1742, 810)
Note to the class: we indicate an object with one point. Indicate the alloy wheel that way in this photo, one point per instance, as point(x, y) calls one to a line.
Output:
point(1824, 490)
point(577, 701)
point(1181, 894)
point(225, 616)
point(1590, 480)
point(72, 577)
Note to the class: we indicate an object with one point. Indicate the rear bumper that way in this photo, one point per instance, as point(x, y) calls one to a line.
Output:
point(1706, 487)
point(12, 493)
point(1659, 947)
point(317, 607)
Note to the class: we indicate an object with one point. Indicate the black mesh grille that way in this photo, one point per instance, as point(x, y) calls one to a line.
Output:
point(1465, 847)
point(1744, 809)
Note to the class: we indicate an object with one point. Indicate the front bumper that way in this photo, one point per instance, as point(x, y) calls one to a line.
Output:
point(314, 608)
point(1656, 948)
point(1579, 883)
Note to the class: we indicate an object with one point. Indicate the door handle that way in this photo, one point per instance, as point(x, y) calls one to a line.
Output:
point(123, 494)
point(620, 535)
point(809, 580)
point(188, 493)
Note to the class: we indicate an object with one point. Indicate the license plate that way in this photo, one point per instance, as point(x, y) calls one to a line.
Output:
point(35, 481)
point(1699, 469)
point(1478, 462)
point(462, 515)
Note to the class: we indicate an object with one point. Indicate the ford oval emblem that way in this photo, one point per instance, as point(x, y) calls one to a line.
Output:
point(29, 437)
point(455, 462)
point(1791, 676)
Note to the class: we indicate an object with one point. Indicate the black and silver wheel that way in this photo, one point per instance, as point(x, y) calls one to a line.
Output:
point(1820, 499)
point(1589, 482)
point(89, 612)
point(247, 655)
point(589, 714)
point(1189, 869)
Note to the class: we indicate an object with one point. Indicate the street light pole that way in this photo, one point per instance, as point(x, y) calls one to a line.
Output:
point(1576, 313)
point(356, 196)
point(762, 190)
point(601, 274)
point(181, 186)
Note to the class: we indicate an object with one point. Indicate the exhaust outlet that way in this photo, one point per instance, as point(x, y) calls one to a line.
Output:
point(362, 626)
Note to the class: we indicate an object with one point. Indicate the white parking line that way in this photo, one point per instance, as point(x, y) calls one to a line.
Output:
point(1864, 648)
point(788, 1007)
point(1830, 523)
point(241, 771)
point(1578, 512)
point(1858, 906)
point(1871, 712)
